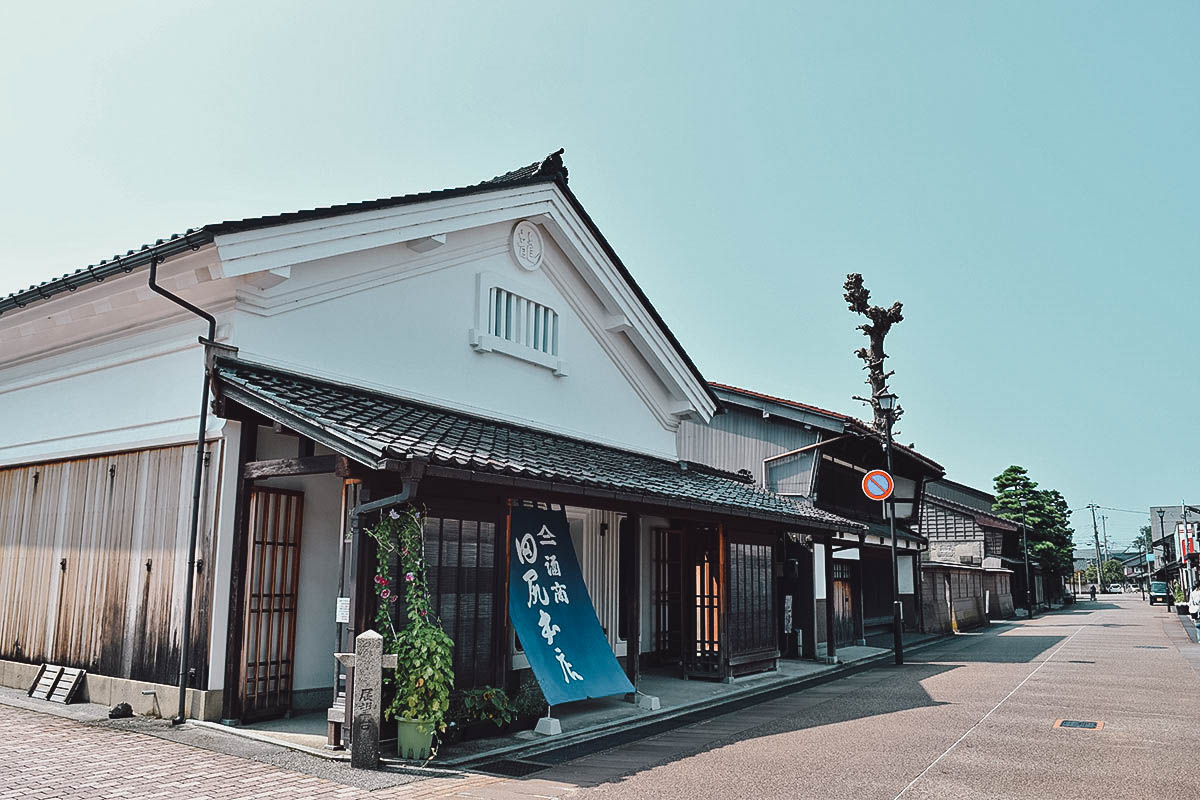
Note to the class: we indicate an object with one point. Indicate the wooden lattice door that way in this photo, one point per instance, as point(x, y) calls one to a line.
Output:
point(668, 595)
point(272, 578)
point(702, 587)
point(843, 605)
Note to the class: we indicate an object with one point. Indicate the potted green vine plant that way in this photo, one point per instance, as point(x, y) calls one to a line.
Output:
point(424, 672)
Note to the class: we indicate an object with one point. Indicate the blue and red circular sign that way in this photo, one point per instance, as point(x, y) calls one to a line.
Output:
point(878, 485)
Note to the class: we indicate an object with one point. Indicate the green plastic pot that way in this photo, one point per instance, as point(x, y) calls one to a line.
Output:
point(414, 739)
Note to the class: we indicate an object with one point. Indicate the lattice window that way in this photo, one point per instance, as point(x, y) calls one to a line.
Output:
point(518, 319)
point(460, 560)
point(515, 320)
point(751, 597)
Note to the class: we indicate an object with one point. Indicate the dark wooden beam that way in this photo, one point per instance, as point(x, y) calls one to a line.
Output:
point(630, 577)
point(830, 633)
point(808, 606)
point(287, 467)
point(231, 705)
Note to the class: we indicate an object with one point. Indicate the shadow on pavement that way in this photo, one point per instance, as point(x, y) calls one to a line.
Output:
point(1003, 649)
point(829, 704)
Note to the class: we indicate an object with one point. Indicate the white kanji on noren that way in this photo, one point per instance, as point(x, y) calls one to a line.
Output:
point(552, 567)
point(547, 536)
point(560, 593)
point(526, 549)
point(569, 672)
point(548, 630)
point(536, 593)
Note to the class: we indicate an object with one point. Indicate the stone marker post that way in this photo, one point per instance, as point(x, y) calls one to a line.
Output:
point(368, 662)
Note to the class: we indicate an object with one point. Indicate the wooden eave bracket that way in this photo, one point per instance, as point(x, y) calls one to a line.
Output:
point(289, 467)
point(214, 350)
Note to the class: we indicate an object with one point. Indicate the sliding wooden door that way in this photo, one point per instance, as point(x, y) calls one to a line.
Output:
point(272, 582)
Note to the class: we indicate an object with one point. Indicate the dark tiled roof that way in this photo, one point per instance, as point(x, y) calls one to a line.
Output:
point(982, 517)
point(371, 426)
point(549, 169)
point(851, 422)
point(781, 401)
point(882, 529)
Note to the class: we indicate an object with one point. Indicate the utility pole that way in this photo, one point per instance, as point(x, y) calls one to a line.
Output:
point(1096, 537)
point(1184, 540)
point(1145, 565)
point(1104, 536)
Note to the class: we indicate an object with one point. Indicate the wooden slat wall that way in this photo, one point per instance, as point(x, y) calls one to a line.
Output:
point(106, 516)
point(751, 626)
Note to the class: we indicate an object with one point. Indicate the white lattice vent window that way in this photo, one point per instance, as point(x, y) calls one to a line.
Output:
point(514, 320)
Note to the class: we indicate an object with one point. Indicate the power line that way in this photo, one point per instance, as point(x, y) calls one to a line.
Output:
point(1145, 513)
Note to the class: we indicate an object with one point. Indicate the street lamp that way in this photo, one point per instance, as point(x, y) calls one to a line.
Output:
point(1162, 534)
point(1025, 547)
point(887, 404)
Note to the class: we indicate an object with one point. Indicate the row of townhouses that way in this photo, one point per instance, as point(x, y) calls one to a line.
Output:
point(1175, 534)
point(467, 350)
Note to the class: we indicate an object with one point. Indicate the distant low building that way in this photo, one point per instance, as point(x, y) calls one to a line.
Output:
point(818, 457)
point(1176, 532)
point(968, 577)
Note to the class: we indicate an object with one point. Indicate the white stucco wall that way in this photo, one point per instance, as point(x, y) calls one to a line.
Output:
point(120, 395)
point(405, 329)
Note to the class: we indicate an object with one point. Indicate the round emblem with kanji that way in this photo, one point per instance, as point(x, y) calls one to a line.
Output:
point(527, 246)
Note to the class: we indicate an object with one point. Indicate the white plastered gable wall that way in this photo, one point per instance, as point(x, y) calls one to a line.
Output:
point(397, 300)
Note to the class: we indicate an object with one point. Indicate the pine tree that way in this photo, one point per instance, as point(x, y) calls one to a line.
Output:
point(1046, 516)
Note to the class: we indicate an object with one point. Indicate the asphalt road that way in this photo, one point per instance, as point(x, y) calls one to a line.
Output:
point(970, 717)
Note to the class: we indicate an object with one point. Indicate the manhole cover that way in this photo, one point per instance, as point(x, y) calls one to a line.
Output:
point(1150, 647)
point(511, 768)
point(1079, 723)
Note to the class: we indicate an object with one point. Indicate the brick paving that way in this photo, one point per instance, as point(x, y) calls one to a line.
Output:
point(43, 756)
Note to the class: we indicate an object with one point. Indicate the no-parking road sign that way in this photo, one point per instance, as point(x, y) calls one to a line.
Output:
point(878, 485)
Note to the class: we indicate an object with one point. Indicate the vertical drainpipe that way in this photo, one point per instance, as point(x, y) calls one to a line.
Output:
point(189, 591)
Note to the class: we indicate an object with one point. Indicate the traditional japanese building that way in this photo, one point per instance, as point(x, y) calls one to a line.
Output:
point(1176, 532)
point(465, 351)
point(819, 458)
point(967, 576)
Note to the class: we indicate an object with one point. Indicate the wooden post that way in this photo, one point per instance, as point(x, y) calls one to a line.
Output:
point(630, 577)
point(231, 698)
point(723, 637)
point(808, 604)
point(858, 570)
point(501, 636)
point(362, 567)
point(918, 591)
point(830, 633)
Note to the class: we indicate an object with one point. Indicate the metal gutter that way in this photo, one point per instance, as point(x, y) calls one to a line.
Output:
point(197, 478)
point(118, 265)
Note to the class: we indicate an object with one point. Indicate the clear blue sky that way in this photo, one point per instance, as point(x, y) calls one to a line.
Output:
point(1024, 176)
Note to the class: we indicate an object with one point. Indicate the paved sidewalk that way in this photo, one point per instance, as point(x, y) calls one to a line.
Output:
point(43, 756)
point(968, 716)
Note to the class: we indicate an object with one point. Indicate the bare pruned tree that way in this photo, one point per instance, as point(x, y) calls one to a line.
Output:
point(858, 297)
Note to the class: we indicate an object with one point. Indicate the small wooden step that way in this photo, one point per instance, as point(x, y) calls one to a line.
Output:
point(57, 684)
